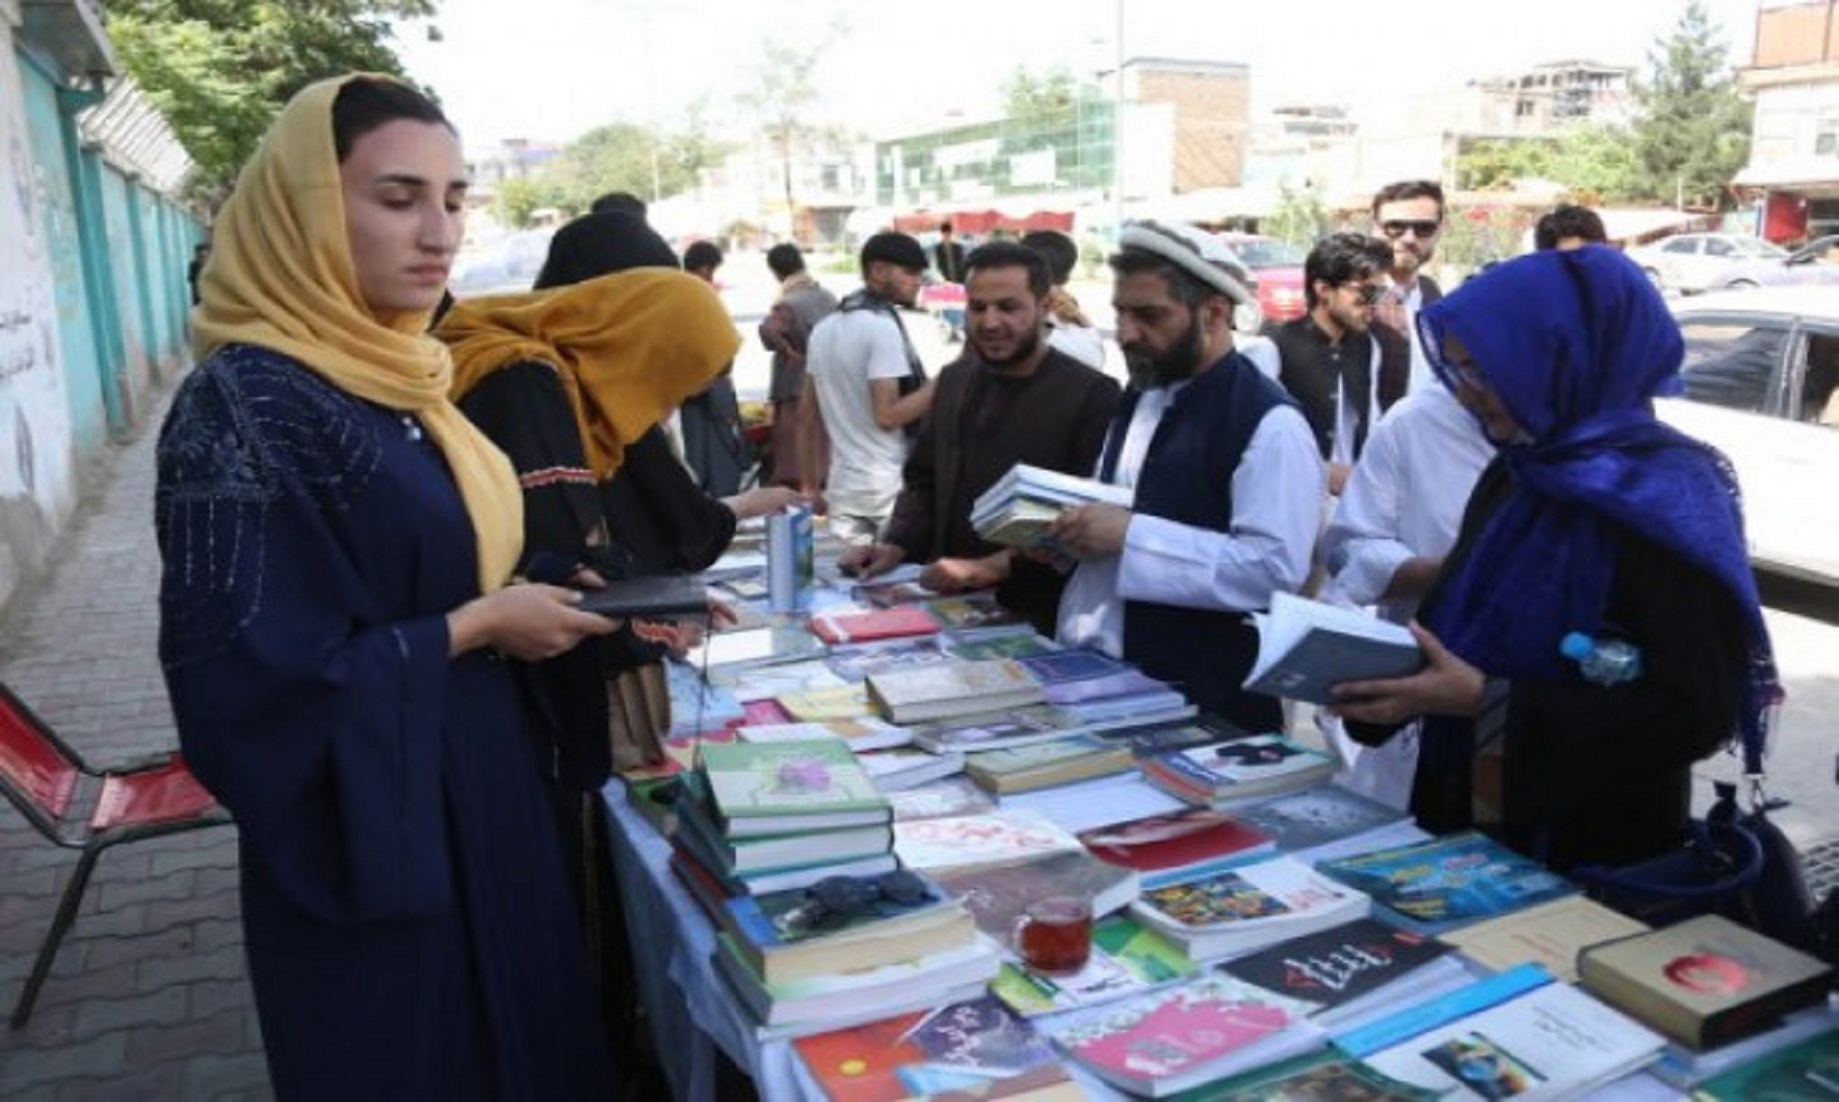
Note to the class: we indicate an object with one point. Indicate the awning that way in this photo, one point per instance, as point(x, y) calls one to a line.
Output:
point(1799, 173)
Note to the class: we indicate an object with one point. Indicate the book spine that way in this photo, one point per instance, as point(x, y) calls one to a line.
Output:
point(1424, 1017)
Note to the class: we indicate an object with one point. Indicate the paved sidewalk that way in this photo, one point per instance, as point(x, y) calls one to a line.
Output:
point(148, 998)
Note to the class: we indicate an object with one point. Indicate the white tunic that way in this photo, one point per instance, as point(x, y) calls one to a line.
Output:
point(848, 350)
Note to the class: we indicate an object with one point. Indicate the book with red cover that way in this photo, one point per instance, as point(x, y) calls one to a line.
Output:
point(880, 623)
point(1182, 839)
point(966, 1046)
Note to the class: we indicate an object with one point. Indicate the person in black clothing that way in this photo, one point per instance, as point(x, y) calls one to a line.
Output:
point(1328, 355)
point(1595, 518)
point(948, 256)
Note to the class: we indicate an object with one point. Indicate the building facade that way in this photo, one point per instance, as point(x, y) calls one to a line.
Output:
point(1794, 143)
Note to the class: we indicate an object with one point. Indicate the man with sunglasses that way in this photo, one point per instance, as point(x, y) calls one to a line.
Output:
point(1410, 215)
point(1328, 358)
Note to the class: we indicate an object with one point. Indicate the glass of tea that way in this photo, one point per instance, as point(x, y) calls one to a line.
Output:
point(1054, 935)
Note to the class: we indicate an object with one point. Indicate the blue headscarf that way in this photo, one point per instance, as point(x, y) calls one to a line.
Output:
point(1576, 345)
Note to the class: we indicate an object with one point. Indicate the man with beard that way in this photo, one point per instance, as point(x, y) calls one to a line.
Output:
point(1012, 399)
point(1410, 215)
point(865, 381)
point(1228, 484)
point(1327, 356)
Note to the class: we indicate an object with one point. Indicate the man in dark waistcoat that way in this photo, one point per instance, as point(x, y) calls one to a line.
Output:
point(1228, 484)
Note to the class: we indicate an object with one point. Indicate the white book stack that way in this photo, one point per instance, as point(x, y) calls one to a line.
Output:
point(1018, 507)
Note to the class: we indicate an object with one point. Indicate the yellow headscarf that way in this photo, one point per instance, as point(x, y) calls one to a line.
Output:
point(280, 276)
point(629, 347)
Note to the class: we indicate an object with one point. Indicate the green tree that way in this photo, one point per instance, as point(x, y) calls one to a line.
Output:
point(220, 70)
point(1039, 109)
point(617, 156)
point(1693, 133)
point(1300, 218)
point(780, 98)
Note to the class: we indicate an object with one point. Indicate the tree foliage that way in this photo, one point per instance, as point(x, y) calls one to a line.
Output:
point(617, 156)
point(780, 97)
point(220, 70)
point(1694, 131)
point(1596, 162)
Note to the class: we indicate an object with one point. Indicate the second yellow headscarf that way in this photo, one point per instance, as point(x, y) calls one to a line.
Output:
point(629, 348)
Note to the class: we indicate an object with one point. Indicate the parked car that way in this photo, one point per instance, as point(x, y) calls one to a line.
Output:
point(1688, 262)
point(1815, 262)
point(1761, 381)
point(1278, 266)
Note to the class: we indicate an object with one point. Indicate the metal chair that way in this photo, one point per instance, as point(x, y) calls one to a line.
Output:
point(77, 806)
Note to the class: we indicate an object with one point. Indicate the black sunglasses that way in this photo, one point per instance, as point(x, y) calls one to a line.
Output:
point(1366, 293)
point(1422, 228)
point(833, 901)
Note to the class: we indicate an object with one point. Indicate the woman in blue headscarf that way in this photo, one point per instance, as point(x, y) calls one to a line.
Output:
point(1593, 518)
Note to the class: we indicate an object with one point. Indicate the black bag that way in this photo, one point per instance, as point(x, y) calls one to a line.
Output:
point(1736, 864)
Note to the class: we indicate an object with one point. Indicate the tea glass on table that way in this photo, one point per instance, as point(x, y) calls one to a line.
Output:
point(1054, 935)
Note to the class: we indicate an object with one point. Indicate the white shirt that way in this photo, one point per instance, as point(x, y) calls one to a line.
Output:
point(848, 350)
point(1082, 342)
point(1276, 494)
point(1405, 497)
point(1423, 376)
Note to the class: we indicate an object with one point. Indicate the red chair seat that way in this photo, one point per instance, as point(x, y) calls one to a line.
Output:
point(151, 797)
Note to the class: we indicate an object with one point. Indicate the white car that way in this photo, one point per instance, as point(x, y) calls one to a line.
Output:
point(1688, 262)
point(1761, 377)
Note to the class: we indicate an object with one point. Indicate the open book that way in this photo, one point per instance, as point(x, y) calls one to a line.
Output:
point(1305, 646)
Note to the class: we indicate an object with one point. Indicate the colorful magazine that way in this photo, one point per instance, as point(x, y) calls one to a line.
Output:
point(1449, 881)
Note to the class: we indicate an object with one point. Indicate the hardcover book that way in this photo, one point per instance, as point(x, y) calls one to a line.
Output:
point(946, 691)
point(781, 787)
point(1239, 769)
point(899, 621)
point(1127, 957)
point(1549, 934)
point(1187, 838)
point(727, 854)
point(1706, 981)
point(1248, 907)
point(1551, 1042)
point(663, 597)
point(1178, 1037)
point(816, 1003)
point(1449, 881)
point(964, 1050)
point(1305, 647)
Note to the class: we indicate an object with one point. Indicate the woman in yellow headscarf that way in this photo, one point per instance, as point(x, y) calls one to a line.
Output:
point(336, 540)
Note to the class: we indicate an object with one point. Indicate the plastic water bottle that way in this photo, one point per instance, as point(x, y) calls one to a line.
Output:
point(1603, 661)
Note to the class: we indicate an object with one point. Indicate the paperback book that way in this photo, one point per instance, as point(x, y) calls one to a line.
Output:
point(1347, 971)
point(1807, 1070)
point(1303, 823)
point(1016, 644)
point(1003, 729)
point(966, 614)
point(813, 932)
point(945, 799)
point(818, 1003)
point(1180, 1036)
point(1239, 770)
point(1046, 764)
point(1323, 1076)
point(834, 702)
point(1127, 957)
point(1305, 647)
point(864, 733)
point(1548, 934)
point(1237, 910)
point(963, 1050)
point(1448, 881)
point(725, 655)
point(998, 894)
point(728, 854)
point(1189, 838)
point(853, 663)
point(903, 767)
point(1551, 1042)
point(898, 622)
point(991, 838)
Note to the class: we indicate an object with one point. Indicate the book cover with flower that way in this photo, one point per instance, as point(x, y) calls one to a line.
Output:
point(802, 778)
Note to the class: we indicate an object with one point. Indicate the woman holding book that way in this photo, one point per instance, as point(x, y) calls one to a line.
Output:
point(337, 540)
point(1594, 518)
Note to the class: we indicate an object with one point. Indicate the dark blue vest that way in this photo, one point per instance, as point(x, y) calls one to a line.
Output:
point(1187, 477)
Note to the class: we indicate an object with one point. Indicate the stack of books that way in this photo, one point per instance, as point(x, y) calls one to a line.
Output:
point(1048, 764)
point(1097, 688)
point(775, 815)
point(1019, 507)
point(952, 689)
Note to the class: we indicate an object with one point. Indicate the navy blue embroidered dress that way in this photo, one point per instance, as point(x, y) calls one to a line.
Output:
point(410, 929)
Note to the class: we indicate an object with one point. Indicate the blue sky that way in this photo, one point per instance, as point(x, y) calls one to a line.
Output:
point(553, 68)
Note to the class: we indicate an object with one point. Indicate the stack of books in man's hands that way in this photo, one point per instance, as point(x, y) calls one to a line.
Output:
point(764, 816)
point(1019, 507)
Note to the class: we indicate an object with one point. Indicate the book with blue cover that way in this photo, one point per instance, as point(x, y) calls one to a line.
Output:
point(1446, 882)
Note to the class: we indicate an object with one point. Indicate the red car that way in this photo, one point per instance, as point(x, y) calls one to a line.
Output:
point(1278, 267)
